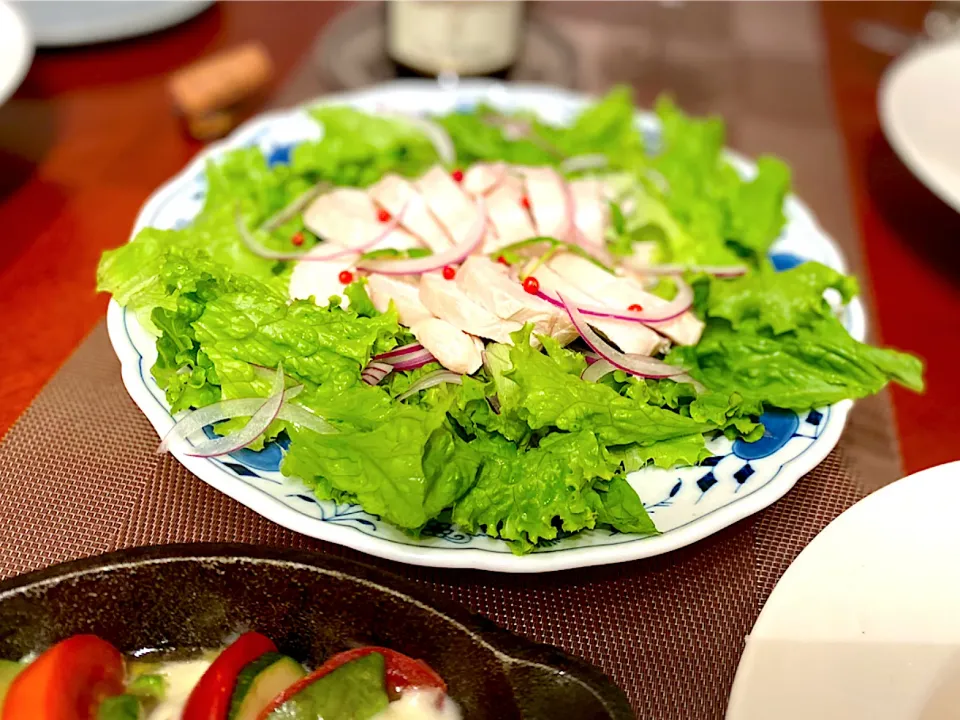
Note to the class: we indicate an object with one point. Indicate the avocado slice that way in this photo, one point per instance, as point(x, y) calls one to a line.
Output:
point(9, 670)
point(354, 691)
point(260, 682)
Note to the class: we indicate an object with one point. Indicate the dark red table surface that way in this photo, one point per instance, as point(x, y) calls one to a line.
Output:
point(90, 135)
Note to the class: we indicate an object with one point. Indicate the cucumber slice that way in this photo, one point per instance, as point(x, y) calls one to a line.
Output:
point(354, 691)
point(120, 707)
point(260, 682)
point(152, 687)
point(9, 670)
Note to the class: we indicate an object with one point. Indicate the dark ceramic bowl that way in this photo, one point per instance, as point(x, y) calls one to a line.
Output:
point(181, 597)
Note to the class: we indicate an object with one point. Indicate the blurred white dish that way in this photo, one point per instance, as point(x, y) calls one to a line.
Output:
point(864, 623)
point(16, 50)
point(57, 23)
point(919, 105)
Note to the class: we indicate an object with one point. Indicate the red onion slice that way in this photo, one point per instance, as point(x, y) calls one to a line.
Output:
point(417, 360)
point(375, 372)
point(452, 256)
point(298, 205)
point(430, 380)
point(409, 357)
point(438, 137)
point(304, 418)
point(258, 423)
point(403, 350)
point(716, 270)
point(685, 378)
point(262, 251)
point(597, 370)
point(223, 410)
point(584, 162)
point(669, 311)
point(633, 364)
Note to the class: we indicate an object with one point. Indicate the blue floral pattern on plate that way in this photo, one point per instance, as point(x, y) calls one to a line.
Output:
point(687, 503)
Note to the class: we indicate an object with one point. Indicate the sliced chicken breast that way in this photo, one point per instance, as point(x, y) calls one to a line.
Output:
point(507, 215)
point(481, 178)
point(455, 210)
point(406, 296)
point(630, 337)
point(393, 193)
point(320, 279)
point(622, 292)
point(452, 348)
point(489, 284)
point(448, 301)
point(348, 217)
point(590, 209)
point(547, 194)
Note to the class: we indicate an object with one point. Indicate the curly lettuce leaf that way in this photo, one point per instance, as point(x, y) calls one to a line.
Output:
point(548, 396)
point(357, 148)
point(606, 127)
point(801, 369)
point(528, 496)
point(622, 509)
point(681, 451)
point(323, 345)
point(695, 204)
point(779, 301)
point(405, 465)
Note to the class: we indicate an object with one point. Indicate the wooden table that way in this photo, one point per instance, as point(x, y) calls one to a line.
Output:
point(90, 135)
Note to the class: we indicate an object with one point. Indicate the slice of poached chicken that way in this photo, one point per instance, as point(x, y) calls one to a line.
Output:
point(456, 211)
point(507, 215)
point(590, 209)
point(448, 301)
point(452, 348)
point(632, 338)
point(482, 178)
point(490, 285)
point(622, 292)
point(348, 217)
point(395, 193)
point(547, 196)
point(320, 279)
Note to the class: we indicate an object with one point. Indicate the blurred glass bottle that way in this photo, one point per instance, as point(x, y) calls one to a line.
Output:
point(430, 38)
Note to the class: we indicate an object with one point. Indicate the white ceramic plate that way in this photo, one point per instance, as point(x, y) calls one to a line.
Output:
point(919, 104)
point(687, 504)
point(864, 623)
point(16, 50)
point(59, 23)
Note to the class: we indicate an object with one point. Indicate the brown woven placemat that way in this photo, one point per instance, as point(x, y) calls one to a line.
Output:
point(78, 473)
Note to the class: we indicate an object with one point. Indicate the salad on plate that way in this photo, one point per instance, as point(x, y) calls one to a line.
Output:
point(484, 319)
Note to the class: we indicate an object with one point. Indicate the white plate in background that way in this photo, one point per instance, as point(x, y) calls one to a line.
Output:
point(865, 624)
point(16, 50)
point(57, 23)
point(919, 106)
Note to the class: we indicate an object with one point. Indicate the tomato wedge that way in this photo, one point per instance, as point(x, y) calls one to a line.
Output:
point(210, 699)
point(403, 673)
point(67, 682)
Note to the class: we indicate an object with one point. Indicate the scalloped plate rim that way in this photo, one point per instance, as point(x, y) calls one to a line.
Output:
point(475, 558)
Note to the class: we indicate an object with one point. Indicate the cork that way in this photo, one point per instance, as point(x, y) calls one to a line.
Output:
point(212, 125)
point(220, 81)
